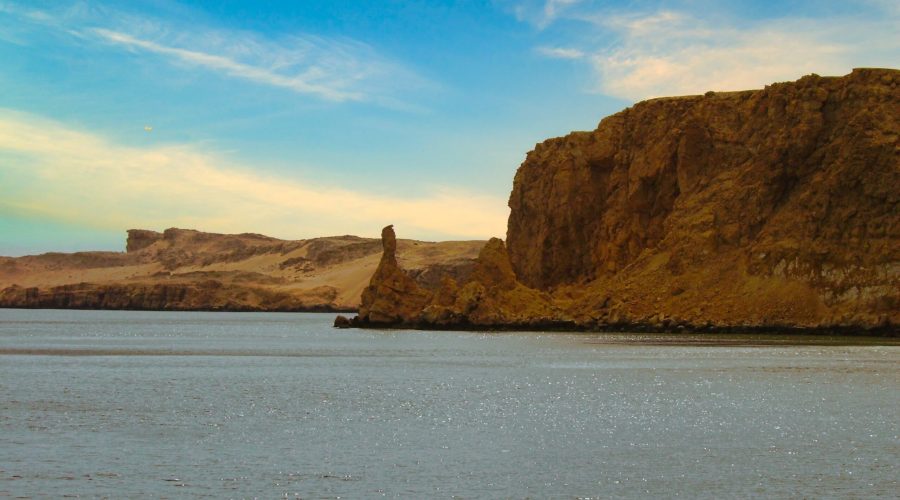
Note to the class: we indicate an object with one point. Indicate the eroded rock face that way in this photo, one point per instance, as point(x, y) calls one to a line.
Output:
point(812, 162)
point(207, 295)
point(490, 296)
point(139, 239)
point(775, 208)
point(392, 297)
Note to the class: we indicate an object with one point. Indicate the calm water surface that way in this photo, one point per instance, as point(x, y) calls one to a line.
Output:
point(270, 405)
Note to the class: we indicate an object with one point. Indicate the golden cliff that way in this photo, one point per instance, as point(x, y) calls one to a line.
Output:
point(768, 209)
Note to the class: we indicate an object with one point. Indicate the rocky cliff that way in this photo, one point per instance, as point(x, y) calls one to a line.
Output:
point(769, 208)
point(181, 269)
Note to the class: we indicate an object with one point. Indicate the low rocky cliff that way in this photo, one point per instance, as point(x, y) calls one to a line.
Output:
point(772, 208)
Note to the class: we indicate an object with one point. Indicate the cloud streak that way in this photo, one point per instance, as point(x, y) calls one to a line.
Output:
point(303, 82)
point(53, 171)
point(336, 69)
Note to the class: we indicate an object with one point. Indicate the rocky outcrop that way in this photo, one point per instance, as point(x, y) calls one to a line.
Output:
point(139, 239)
point(392, 297)
point(773, 208)
point(490, 295)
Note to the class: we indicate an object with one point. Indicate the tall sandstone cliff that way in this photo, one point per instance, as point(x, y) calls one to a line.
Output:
point(777, 207)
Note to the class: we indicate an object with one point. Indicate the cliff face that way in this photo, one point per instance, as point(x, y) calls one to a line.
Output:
point(772, 207)
point(185, 295)
point(182, 269)
point(811, 164)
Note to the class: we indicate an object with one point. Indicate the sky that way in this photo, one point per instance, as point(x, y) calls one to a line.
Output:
point(299, 119)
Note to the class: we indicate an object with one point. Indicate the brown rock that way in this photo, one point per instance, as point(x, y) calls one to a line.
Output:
point(138, 239)
point(392, 297)
point(342, 322)
point(491, 297)
point(770, 206)
point(774, 208)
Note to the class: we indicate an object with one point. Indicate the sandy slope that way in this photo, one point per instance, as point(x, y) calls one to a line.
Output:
point(186, 269)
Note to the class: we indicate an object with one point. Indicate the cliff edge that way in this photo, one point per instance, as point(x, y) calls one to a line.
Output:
point(773, 208)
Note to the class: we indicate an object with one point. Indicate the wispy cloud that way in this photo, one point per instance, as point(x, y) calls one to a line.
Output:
point(75, 176)
point(541, 13)
point(330, 68)
point(304, 82)
point(561, 52)
point(669, 53)
point(636, 55)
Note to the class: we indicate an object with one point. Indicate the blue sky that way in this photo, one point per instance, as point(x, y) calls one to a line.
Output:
point(301, 119)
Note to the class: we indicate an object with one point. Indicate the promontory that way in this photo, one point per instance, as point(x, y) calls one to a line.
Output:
point(776, 208)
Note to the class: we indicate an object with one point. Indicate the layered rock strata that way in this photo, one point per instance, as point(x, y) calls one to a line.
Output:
point(766, 209)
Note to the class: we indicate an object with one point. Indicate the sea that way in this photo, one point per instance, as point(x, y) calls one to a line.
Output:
point(125, 404)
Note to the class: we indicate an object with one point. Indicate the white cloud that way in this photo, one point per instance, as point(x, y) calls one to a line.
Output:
point(561, 52)
point(67, 175)
point(674, 54)
point(640, 55)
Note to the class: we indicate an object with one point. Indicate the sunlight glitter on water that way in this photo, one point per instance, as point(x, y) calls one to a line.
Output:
point(242, 405)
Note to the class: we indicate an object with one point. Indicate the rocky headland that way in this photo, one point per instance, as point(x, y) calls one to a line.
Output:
point(772, 209)
point(182, 269)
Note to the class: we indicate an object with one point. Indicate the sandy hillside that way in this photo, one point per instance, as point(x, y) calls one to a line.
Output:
point(191, 270)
